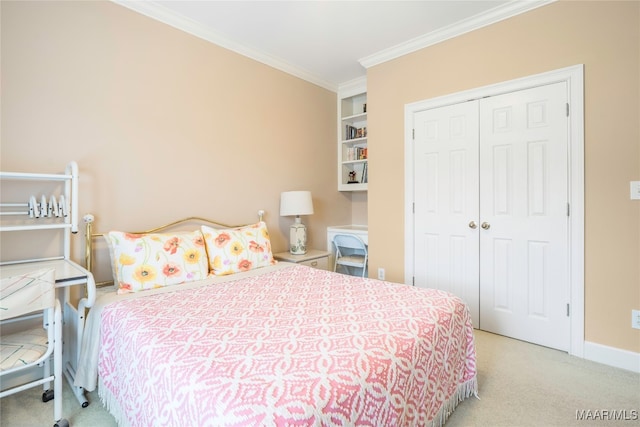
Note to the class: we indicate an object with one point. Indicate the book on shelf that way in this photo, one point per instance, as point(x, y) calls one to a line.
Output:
point(352, 132)
point(363, 176)
point(356, 153)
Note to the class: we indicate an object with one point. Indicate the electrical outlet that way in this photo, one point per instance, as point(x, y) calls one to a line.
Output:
point(380, 273)
point(635, 319)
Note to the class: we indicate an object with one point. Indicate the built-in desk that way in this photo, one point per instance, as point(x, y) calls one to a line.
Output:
point(361, 231)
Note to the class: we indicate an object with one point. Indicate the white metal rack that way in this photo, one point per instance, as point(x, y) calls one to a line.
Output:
point(58, 212)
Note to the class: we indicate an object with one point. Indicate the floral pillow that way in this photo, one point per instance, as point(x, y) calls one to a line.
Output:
point(147, 261)
point(238, 249)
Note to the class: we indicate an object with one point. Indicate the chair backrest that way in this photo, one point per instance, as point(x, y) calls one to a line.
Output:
point(349, 241)
point(27, 293)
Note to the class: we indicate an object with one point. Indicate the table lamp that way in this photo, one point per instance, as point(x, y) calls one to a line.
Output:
point(296, 203)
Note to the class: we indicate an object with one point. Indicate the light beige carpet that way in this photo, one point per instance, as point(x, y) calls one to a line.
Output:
point(520, 384)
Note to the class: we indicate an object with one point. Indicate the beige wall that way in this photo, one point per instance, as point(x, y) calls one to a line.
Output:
point(605, 37)
point(359, 208)
point(163, 124)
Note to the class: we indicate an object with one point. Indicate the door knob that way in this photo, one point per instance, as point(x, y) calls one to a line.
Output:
point(485, 226)
point(473, 225)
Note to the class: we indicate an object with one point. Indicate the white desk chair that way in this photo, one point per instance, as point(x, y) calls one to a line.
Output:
point(24, 298)
point(351, 252)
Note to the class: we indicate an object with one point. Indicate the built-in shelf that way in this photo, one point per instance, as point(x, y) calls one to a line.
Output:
point(353, 165)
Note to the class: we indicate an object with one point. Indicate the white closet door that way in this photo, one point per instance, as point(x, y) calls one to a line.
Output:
point(490, 214)
point(523, 215)
point(446, 201)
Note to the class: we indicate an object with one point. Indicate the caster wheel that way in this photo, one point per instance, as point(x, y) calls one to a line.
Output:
point(85, 404)
point(47, 395)
point(62, 423)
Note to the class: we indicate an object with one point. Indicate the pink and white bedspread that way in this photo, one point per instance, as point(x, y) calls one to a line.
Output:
point(294, 346)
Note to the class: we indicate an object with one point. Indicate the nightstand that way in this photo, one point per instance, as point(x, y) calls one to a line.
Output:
point(313, 258)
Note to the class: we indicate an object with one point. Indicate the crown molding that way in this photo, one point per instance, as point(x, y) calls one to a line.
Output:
point(160, 13)
point(497, 14)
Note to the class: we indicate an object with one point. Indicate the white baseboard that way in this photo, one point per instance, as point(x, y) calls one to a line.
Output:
point(612, 356)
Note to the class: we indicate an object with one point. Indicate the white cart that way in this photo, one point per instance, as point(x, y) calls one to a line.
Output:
point(44, 207)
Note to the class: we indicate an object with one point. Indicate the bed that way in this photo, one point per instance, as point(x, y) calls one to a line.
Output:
point(276, 344)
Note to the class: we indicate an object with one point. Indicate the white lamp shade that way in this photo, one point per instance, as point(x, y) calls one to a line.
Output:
point(294, 203)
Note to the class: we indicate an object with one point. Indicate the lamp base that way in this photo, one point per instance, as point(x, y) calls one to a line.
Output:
point(298, 238)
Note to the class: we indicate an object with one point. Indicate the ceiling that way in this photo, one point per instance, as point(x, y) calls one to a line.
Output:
point(329, 43)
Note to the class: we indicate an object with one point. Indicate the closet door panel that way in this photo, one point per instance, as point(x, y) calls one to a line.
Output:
point(523, 200)
point(446, 201)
